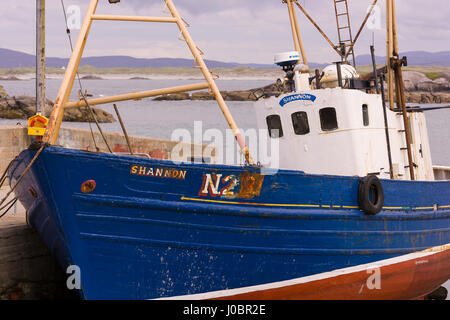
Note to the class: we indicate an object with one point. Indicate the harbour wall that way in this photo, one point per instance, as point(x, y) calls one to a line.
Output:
point(15, 139)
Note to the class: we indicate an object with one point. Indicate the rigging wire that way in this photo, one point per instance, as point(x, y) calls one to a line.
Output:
point(83, 96)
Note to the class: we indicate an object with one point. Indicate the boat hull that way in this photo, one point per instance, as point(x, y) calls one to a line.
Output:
point(155, 229)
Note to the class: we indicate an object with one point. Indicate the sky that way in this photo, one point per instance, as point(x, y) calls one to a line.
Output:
point(244, 31)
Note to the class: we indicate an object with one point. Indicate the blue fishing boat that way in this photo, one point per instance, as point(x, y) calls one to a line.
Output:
point(349, 214)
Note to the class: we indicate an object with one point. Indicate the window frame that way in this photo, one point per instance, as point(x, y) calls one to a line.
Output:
point(322, 122)
point(307, 129)
point(281, 133)
point(366, 115)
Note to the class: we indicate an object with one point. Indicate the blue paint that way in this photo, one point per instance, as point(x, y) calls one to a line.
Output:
point(297, 97)
point(138, 237)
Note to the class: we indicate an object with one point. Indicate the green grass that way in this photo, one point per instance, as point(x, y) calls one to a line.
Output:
point(433, 75)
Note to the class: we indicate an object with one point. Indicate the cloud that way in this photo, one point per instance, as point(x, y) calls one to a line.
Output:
point(227, 30)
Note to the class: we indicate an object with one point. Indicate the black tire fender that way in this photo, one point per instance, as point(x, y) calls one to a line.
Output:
point(370, 195)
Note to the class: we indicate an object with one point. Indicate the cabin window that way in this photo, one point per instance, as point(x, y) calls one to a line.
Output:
point(274, 125)
point(328, 119)
point(365, 112)
point(300, 123)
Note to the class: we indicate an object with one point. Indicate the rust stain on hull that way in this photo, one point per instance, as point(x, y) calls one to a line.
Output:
point(251, 184)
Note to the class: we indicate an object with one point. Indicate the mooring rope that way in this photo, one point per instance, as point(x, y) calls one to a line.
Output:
point(13, 201)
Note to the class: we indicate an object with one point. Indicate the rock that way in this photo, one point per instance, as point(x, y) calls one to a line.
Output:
point(202, 95)
point(3, 93)
point(139, 78)
point(270, 89)
point(173, 97)
point(446, 75)
point(419, 89)
point(91, 77)
point(24, 107)
point(422, 97)
point(84, 115)
point(238, 96)
point(438, 85)
point(412, 80)
point(21, 107)
point(9, 78)
point(442, 84)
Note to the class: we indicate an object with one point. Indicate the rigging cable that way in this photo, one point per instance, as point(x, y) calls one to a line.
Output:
point(88, 107)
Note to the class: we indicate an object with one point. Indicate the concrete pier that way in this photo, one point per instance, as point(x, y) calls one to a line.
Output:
point(27, 270)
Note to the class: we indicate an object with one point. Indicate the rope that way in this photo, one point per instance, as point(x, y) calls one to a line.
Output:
point(3, 178)
point(70, 39)
point(13, 201)
point(98, 124)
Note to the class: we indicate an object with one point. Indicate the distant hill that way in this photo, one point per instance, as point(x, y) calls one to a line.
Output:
point(415, 58)
point(16, 59)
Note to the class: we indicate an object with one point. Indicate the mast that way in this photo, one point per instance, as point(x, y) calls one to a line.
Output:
point(395, 77)
point(389, 53)
point(62, 100)
point(212, 84)
point(298, 42)
point(40, 56)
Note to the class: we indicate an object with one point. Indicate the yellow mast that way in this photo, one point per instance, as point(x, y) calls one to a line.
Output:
point(395, 76)
point(62, 100)
point(390, 53)
point(66, 86)
point(298, 42)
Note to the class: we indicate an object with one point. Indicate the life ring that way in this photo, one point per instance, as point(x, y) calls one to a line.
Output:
point(370, 195)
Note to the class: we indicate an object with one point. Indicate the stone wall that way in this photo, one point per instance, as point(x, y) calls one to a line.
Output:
point(15, 139)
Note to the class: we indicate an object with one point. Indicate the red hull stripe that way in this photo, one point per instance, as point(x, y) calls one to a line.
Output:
point(411, 276)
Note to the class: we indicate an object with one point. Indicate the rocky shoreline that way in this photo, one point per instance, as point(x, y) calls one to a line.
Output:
point(419, 89)
point(24, 107)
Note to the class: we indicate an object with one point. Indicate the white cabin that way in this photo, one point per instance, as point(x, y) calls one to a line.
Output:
point(337, 131)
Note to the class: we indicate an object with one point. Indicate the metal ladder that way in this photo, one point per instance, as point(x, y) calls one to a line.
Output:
point(344, 31)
